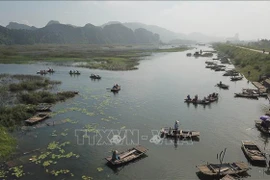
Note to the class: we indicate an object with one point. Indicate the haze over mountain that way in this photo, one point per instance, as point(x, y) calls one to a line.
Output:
point(57, 33)
point(167, 35)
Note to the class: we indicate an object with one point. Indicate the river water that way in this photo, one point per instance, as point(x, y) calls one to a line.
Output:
point(151, 97)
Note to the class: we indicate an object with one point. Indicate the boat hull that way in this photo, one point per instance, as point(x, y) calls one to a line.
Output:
point(128, 156)
point(253, 153)
point(225, 169)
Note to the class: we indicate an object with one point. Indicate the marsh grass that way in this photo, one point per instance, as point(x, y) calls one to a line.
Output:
point(7, 144)
point(96, 57)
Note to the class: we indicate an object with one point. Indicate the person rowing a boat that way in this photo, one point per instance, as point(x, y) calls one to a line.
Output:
point(115, 155)
point(188, 97)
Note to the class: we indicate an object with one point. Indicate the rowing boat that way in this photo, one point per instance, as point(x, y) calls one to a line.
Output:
point(127, 156)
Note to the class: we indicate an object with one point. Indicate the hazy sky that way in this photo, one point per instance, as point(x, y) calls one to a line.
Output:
point(251, 19)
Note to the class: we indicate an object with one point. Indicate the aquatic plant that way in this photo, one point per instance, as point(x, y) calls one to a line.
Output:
point(86, 177)
point(17, 171)
point(91, 127)
point(3, 174)
point(62, 171)
point(99, 169)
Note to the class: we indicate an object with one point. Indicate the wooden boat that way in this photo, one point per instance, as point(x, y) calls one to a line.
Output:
point(42, 72)
point(255, 91)
point(210, 63)
point(189, 54)
point(128, 155)
point(199, 101)
point(43, 107)
point(94, 76)
point(237, 78)
point(116, 88)
point(231, 73)
point(210, 66)
point(225, 168)
point(212, 99)
point(253, 152)
point(228, 177)
point(171, 132)
point(37, 118)
point(252, 96)
point(258, 124)
point(223, 86)
point(50, 71)
point(74, 72)
point(220, 69)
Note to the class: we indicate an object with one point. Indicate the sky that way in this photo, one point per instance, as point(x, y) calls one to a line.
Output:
point(251, 19)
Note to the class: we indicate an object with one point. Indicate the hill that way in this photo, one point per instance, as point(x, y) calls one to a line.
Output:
point(57, 33)
point(14, 25)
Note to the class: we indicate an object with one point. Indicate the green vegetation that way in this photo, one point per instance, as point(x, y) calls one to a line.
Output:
point(246, 60)
point(259, 45)
point(43, 97)
point(12, 116)
point(21, 89)
point(7, 144)
point(31, 85)
point(113, 57)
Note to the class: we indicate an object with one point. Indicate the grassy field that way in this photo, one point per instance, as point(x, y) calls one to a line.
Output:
point(246, 60)
point(96, 57)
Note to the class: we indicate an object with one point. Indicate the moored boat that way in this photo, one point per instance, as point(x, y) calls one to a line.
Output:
point(236, 78)
point(253, 152)
point(251, 96)
point(189, 54)
point(263, 126)
point(227, 177)
point(127, 156)
point(223, 169)
point(37, 118)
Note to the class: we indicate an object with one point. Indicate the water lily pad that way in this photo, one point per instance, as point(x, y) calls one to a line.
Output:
point(99, 169)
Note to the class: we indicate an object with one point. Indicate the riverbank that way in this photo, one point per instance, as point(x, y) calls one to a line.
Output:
point(20, 95)
point(88, 56)
point(257, 63)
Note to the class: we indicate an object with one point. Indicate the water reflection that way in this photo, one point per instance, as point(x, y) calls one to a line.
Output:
point(117, 169)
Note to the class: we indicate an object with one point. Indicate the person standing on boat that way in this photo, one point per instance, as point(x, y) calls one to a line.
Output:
point(220, 83)
point(176, 125)
point(188, 97)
